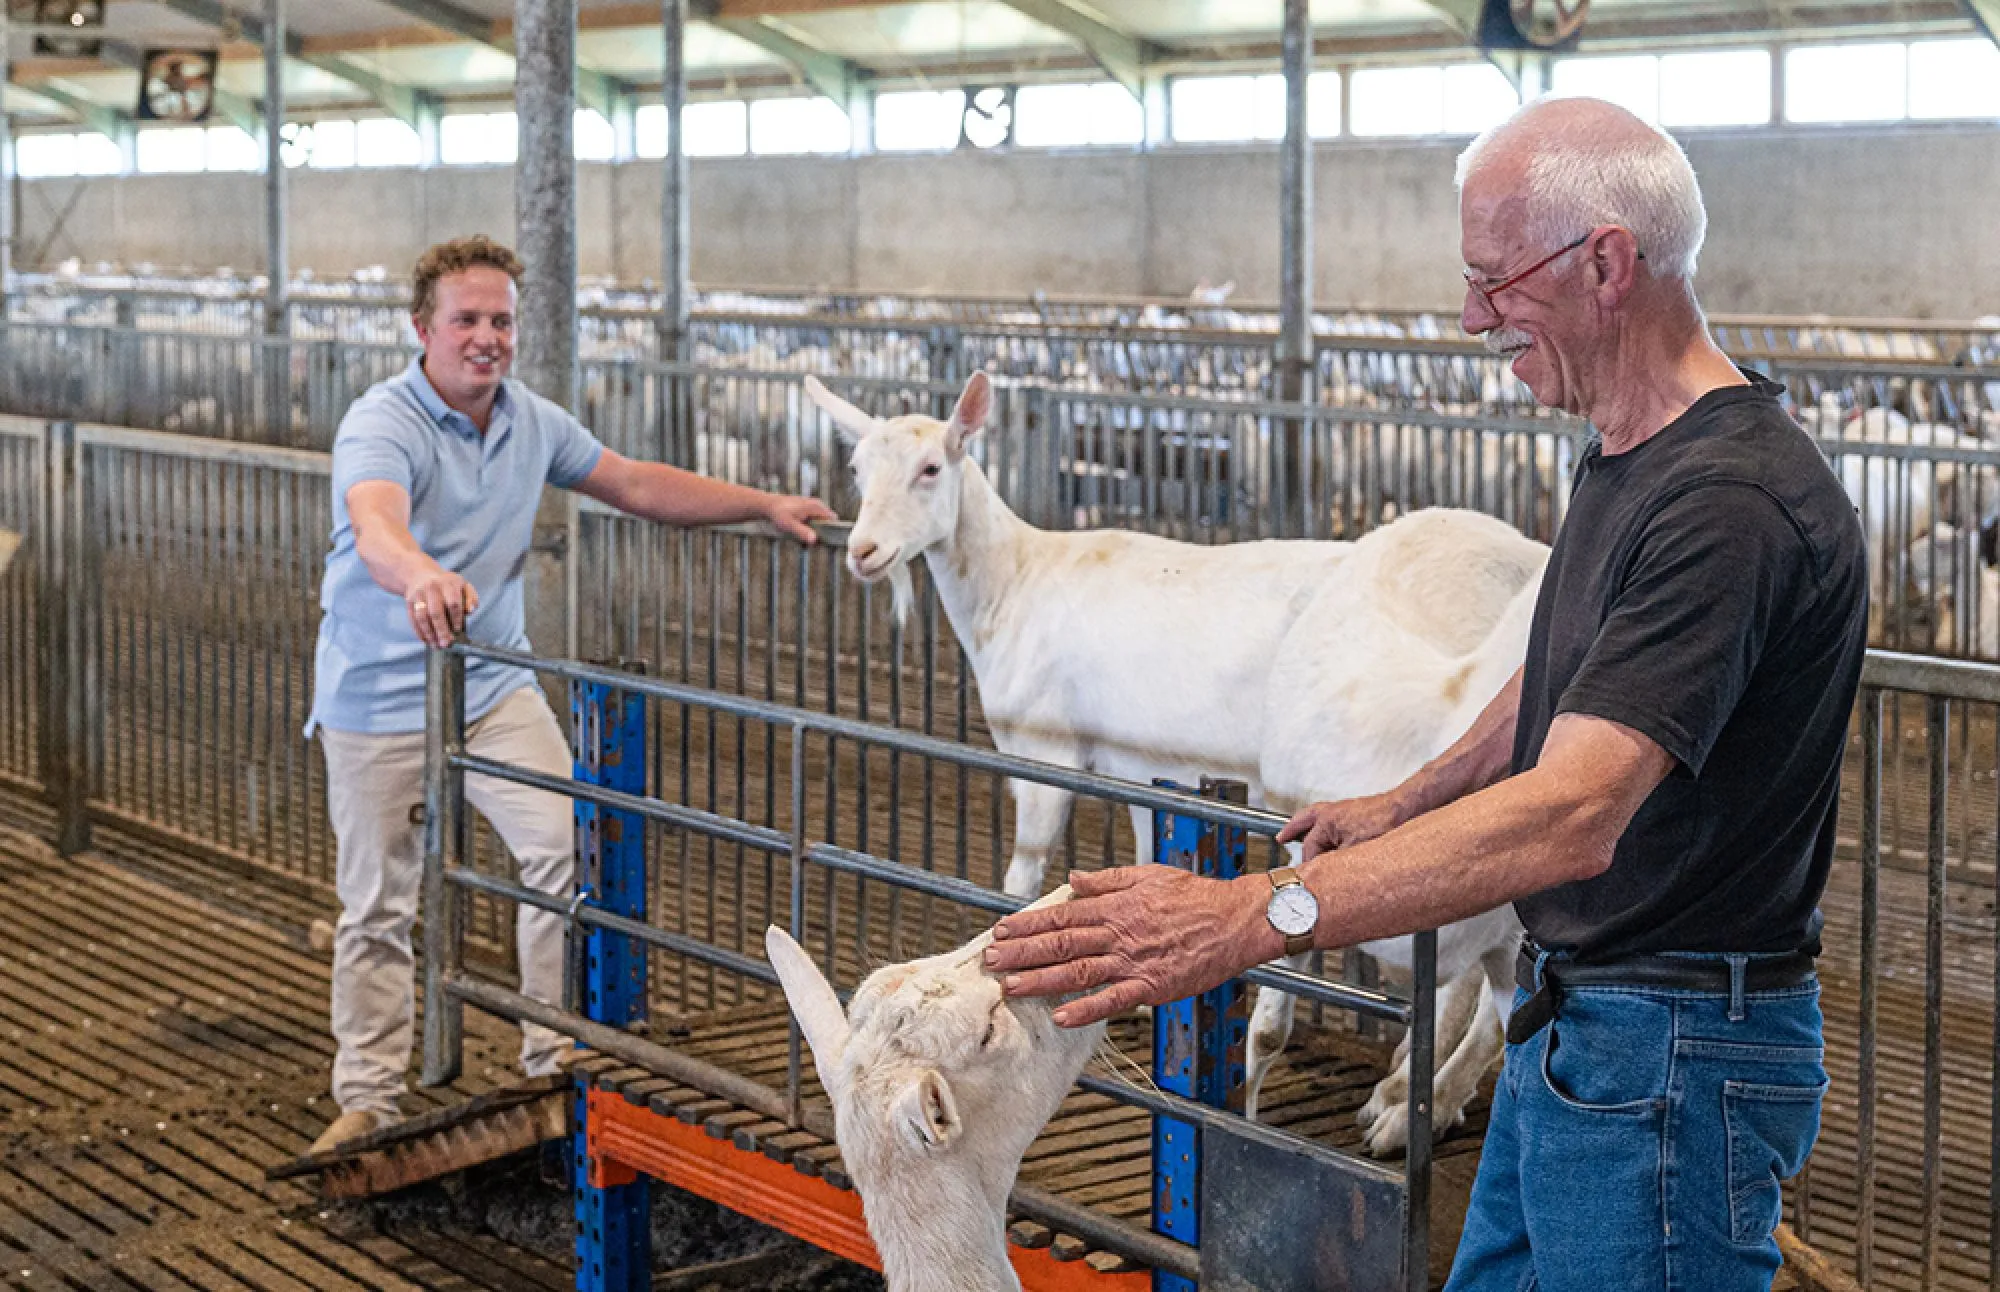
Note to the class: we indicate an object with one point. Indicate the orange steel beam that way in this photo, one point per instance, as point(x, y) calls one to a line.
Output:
point(623, 1138)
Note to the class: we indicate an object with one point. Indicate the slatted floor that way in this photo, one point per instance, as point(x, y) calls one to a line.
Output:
point(161, 1048)
point(157, 1052)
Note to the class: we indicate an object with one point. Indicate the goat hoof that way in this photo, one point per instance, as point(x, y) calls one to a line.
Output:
point(1390, 1092)
point(1389, 1133)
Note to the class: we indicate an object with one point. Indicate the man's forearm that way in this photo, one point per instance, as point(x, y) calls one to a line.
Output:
point(1475, 760)
point(392, 558)
point(1556, 823)
point(672, 496)
point(1482, 851)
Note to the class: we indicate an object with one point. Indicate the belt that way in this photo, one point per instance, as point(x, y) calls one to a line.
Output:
point(1674, 973)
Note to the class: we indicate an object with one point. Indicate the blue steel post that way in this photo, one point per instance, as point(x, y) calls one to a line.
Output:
point(613, 1238)
point(1198, 1043)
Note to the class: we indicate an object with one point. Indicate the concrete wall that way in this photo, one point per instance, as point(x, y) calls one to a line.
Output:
point(1887, 222)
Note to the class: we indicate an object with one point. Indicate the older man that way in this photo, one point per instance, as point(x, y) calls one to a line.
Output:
point(436, 475)
point(1655, 790)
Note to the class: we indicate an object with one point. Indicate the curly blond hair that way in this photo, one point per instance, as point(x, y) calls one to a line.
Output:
point(452, 257)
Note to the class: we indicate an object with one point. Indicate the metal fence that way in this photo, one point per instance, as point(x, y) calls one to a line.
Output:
point(1903, 1183)
point(1917, 446)
point(24, 488)
point(158, 623)
point(617, 321)
point(854, 909)
point(253, 389)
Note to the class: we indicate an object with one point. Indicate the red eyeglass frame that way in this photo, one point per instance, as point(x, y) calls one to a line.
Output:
point(1486, 293)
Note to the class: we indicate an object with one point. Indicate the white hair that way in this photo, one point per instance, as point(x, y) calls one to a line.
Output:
point(1581, 174)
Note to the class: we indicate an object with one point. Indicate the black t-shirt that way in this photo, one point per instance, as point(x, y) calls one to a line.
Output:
point(1708, 589)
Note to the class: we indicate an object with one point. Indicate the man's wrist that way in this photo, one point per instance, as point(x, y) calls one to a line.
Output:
point(1260, 936)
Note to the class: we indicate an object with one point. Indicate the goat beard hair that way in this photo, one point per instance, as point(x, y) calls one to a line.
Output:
point(904, 590)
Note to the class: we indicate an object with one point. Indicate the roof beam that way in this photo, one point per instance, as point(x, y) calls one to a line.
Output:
point(106, 121)
point(403, 102)
point(1987, 14)
point(594, 89)
point(1118, 52)
point(830, 74)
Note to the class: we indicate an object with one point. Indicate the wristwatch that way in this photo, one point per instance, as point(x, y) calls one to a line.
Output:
point(1292, 910)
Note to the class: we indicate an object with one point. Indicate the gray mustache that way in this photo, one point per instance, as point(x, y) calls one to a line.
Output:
point(1506, 339)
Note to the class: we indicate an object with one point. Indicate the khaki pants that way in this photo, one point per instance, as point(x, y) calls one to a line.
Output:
point(375, 788)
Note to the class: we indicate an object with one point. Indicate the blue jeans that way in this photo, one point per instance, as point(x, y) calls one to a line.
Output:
point(1638, 1141)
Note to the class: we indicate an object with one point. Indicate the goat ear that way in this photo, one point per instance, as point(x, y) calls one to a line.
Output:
point(975, 404)
point(925, 1112)
point(813, 1002)
point(850, 421)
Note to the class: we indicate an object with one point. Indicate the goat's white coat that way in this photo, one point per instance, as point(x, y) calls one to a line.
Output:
point(938, 1084)
point(1308, 670)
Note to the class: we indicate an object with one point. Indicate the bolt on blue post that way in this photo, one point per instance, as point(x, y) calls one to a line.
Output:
point(1199, 1042)
point(613, 1225)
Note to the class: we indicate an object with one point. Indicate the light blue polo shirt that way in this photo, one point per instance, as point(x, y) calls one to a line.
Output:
point(472, 508)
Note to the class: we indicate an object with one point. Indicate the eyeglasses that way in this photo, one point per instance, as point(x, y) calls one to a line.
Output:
point(1487, 291)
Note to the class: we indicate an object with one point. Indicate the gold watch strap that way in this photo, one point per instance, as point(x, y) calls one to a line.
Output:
point(1296, 944)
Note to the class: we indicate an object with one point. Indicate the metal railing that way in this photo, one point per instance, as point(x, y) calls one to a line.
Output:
point(1928, 491)
point(825, 893)
point(618, 321)
point(1916, 445)
point(1905, 1167)
point(158, 625)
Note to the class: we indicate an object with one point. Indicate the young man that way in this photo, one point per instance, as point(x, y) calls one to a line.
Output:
point(1655, 790)
point(436, 476)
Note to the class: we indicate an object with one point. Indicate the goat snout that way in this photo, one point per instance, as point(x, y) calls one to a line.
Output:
point(868, 559)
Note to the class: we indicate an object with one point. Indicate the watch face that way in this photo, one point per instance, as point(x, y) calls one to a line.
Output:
point(1293, 910)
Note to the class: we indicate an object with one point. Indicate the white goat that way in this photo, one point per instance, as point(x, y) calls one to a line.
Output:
point(1140, 657)
point(939, 1084)
point(1953, 575)
point(1901, 499)
point(1385, 688)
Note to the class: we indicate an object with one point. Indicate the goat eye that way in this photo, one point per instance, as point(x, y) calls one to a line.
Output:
point(931, 471)
point(992, 1025)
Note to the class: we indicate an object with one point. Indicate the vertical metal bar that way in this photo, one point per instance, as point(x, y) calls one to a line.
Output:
point(1224, 1011)
point(614, 1238)
point(1938, 736)
point(444, 849)
point(545, 194)
point(793, 1089)
point(277, 251)
point(1423, 1059)
point(1177, 841)
point(6, 168)
point(1295, 335)
point(712, 761)
point(67, 710)
point(742, 806)
point(675, 290)
point(611, 752)
point(929, 703)
point(545, 224)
